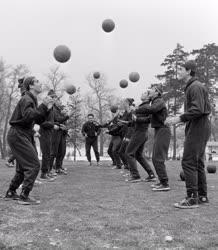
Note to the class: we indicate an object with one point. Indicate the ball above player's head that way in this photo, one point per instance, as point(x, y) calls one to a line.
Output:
point(52, 94)
point(134, 76)
point(123, 83)
point(70, 88)
point(62, 53)
point(96, 75)
point(108, 25)
point(114, 108)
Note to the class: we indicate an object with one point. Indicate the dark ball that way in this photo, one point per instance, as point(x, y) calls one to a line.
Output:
point(123, 83)
point(62, 53)
point(134, 76)
point(108, 25)
point(211, 169)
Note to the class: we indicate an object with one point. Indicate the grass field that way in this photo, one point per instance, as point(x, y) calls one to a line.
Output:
point(94, 208)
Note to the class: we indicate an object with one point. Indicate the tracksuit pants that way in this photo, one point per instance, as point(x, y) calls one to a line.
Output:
point(22, 145)
point(135, 152)
point(197, 134)
point(92, 142)
point(160, 150)
point(45, 140)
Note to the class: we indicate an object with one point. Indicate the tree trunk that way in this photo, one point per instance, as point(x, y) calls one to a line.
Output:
point(4, 141)
point(174, 133)
point(1, 149)
point(74, 151)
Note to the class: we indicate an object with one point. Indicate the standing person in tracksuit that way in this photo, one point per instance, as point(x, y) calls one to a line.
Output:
point(63, 143)
point(10, 162)
point(196, 111)
point(45, 139)
point(135, 148)
point(58, 138)
point(127, 130)
point(158, 112)
point(108, 125)
point(21, 140)
point(116, 131)
point(91, 131)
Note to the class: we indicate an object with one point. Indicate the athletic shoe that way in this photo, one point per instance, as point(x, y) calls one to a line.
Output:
point(11, 195)
point(44, 177)
point(28, 201)
point(90, 163)
point(203, 200)
point(52, 173)
point(134, 180)
point(150, 178)
point(161, 188)
point(9, 164)
point(60, 171)
point(98, 164)
point(36, 183)
point(188, 202)
point(156, 185)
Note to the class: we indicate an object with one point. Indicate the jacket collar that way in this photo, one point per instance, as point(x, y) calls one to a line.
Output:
point(32, 97)
point(190, 82)
point(155, 98)
point(146, 102)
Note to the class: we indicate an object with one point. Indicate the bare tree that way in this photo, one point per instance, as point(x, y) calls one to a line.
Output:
point(99, 101)
point(54, 78)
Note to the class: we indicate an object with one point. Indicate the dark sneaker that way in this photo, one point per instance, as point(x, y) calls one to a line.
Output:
point(150, 178)
point(98, 164)
point(187, 203)
point(28, 201)
point(52, 173)
point(44, 177)
point(156, 185)
point(134, 180)
point(90, 163)
point(60, 171)
point(203, 200)
point(161, 188)
point(11, 195)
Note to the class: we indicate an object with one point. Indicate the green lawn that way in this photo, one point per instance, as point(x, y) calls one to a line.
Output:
point(94, 208)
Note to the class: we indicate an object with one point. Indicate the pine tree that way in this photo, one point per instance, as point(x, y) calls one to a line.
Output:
point(173, 88)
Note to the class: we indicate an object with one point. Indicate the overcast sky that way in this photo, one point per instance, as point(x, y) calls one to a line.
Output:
point(146, 31)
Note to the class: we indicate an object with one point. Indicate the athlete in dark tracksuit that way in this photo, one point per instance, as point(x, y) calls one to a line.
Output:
point(135, 148)
point(58, 150)
point(116, 131)
point(91, 131)
point(197, 132)
point(21, 141)
point(46, 131)
point(22, 92)
point(127, 131)
point(158, 112)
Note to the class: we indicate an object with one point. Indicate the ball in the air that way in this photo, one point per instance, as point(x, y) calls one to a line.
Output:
point(123, 83)
point(62, 53)
point(114, 108)
point(134, 76)
point(211, 169)
point(96, 75)
point(70, 89)
point(108, 25)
